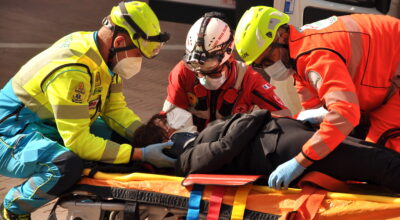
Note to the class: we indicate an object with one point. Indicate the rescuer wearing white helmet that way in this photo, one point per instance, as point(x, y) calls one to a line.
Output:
point(210, 84)
point(50, 111)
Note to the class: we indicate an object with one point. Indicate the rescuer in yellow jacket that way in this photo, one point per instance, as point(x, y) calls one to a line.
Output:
point(66, 103)
point(343, 66)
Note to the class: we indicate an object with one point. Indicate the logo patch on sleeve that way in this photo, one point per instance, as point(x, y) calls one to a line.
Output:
point(315, 79)
point(78, 92)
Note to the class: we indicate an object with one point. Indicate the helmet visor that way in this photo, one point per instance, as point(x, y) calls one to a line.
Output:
point(198, 61)
point(149, 46)
point(205, 67)
point(149, 49)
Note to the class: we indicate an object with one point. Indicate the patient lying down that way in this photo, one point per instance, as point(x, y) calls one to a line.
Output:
point(258, 143)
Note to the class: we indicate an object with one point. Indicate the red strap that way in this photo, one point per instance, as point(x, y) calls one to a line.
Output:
point(324, 181)
point(220, 179)
point(308, 204)
point(313, 194)
point(215, 202)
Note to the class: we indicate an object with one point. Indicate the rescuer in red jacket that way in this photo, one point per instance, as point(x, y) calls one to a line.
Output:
point(210, 83)
point(348, 65)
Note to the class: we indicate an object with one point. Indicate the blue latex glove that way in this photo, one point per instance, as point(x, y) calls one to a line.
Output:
point(153, 154)
point(284, 174)
point(314, 116)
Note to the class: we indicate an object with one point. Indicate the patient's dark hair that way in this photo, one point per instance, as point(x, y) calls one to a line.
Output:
point(150, 133)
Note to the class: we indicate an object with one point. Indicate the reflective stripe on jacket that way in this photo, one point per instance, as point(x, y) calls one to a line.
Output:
point(345, 63)
point(70, 85)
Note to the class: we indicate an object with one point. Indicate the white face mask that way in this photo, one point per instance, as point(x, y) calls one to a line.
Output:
point(213, 83)
point(128, 66)
point(278, 71)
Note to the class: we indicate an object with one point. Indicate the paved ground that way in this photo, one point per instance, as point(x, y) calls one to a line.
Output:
point(27, 27)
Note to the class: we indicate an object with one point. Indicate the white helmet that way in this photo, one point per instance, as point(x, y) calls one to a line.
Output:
point(209, 43)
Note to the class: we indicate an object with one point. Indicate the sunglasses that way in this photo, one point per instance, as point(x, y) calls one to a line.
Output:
point(215, 73)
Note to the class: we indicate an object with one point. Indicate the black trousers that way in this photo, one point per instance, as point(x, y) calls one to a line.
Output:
point(353, 159)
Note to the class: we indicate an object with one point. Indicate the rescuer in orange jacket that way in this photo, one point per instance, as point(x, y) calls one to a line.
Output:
point(348, 65)
point(210, 84)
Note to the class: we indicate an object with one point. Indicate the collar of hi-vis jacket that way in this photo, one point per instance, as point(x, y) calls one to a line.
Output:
point(95, 45)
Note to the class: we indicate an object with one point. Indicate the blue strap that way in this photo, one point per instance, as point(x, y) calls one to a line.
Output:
point(194, 202)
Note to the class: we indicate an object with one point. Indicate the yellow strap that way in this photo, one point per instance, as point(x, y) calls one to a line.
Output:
point(123, 177)
point(239, 203)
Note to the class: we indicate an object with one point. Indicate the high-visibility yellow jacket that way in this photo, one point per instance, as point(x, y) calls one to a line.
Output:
point(70, 85)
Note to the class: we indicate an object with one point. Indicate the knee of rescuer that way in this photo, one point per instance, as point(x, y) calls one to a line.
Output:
point(70, 167)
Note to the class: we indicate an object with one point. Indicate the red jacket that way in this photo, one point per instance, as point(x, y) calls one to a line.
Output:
point(347, 64)
point(185, 91)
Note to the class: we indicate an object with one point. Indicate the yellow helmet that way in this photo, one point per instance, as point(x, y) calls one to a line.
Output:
point(256, 31)
point(142, 24)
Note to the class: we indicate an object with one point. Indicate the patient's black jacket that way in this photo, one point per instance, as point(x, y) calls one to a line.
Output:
point(246, 143)
point(257, 143)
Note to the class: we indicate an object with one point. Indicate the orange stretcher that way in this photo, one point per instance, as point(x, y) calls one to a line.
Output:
point(151, 196)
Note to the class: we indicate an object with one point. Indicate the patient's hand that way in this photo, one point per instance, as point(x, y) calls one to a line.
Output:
point(180, 140)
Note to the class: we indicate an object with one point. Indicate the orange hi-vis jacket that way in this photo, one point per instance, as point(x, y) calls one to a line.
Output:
point(349, 64)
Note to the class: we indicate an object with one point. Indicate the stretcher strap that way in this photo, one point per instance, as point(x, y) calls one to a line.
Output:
point(313, 194)
point(324, 181)
point(215, 202)
point(307, 206)
point(194, 202)
point(239, 203)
